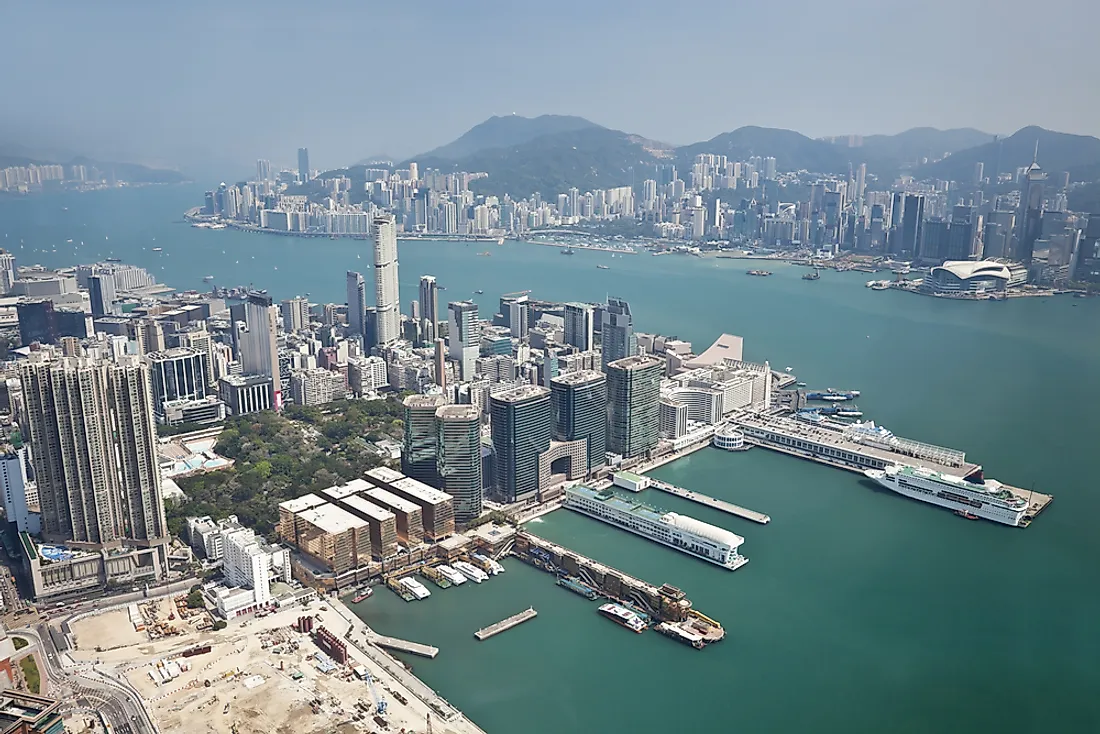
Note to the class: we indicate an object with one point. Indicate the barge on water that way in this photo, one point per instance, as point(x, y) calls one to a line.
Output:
point(577, 587)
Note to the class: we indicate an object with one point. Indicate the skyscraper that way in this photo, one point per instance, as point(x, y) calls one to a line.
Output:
point(634, 393)
point(521, 426)
point(90, 425)
point(303, 164)
point(617, 332)
point(429, 308)
point(295, 314)
point(386, 295)
point(912, 225)
point(177, 374)
point(1030, 222)
point(101, 293)
point(578, 402)
point(259, 348)
point(458, 461)
point(962, 242)
point(418, 457)
point(7, 272)
point(357, 303)
point(263, 169)
point(463, 336)
point(578, 325)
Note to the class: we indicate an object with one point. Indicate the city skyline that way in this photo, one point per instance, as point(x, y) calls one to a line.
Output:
point(187, 129)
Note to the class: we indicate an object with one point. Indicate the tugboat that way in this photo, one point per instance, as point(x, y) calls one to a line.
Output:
point(362, 595)
point(967, 515)
point(815, 275)
point(567, 251)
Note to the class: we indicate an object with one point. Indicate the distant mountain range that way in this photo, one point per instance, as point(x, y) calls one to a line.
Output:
point(13, 155)
point(551, 153)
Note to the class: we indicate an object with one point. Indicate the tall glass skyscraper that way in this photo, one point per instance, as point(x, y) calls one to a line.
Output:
point(418, 456)
point(578, 325)
point(634, 393)
point(429, 309)
point(578, 403)
point(521, 427)
point(458, 461)
point(617, 332)
point(357, 304)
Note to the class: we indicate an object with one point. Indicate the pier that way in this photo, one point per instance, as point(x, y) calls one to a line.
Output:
point(393, 643)
point(506, 624)
point(716, 504)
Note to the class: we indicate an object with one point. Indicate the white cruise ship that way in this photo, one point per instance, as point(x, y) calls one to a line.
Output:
point(418, 589)
point(451, 575)
point(685, 534)
point(471, 571)
point(985, 498)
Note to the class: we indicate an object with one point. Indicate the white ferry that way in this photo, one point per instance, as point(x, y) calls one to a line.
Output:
point(985, 498)
point(451, 575)
point(685, 534)
point(471, 571)
point(488, 564)
point(417, 589)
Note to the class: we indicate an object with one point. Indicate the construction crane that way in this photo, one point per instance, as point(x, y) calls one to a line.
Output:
point(379, 702)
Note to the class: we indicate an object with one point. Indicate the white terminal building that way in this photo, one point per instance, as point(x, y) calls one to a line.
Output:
point(250, 564)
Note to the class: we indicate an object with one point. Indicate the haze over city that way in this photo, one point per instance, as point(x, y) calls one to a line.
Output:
point(210, 87)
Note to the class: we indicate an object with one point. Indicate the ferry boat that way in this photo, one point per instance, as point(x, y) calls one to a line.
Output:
point(207, 278)
point(815, 275)
point(984, 498)
point(363, 594)
point(157, 249)
point(685, 534)
point(451, 575)
point(478, 292)
point(678, 633)
point(494, 568)
point(623, 616)
point(604, 267)
point(577, 587)
point(567, 251)
point(760, 273)
point(471, 571)
point(833, 396)
point(417, 589)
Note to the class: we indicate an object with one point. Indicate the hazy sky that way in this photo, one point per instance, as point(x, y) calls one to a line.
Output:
point(211, 86)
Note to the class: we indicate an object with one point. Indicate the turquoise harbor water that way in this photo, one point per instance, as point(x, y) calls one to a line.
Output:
point(860, 611)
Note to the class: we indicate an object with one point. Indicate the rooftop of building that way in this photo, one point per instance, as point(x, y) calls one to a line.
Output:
point(458, 413)
point(341, 491)
point(361, 504)
point(636, 362)
point(245, 380)
point(172, 353)
point(425, 401)
point(521, 393)
point(725, 347)
point(421, 491)
point(391, 500)
point(302, 503)
point(333, 519)
point(579, 377)
point(384, 474)
point(18, 706)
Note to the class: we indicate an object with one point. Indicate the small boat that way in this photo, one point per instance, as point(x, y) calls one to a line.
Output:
point(623, 616)
point(479, 291)
point(789, 369)
point(208, 278)
point(760, 273)
point(158, 249)
point(363, 594)
point(69, 241)
point(604, 267)
point(567, 251)
point(800, 384)
point(967, 515)
point(815, 275)
point(451, 575)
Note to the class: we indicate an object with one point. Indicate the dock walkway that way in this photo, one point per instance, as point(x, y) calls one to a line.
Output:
point(717, 504)
point(506, 624)
point(393, 643)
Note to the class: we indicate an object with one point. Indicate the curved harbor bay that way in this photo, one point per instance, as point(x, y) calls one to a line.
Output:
point(860, 610)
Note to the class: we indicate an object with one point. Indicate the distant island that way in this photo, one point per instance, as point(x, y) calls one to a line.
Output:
point(24, 175)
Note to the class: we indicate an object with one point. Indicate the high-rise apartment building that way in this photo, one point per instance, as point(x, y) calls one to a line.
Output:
point(578, 402)
point(263, 170)
point(419, 454)
point(579, 326)
point(617, 332)
point(521, 428)
point(386, 295)
point(259, 346)
point(463, 337)
point(429, 309)
point(634, 393)
point(7, 272)
point(90, 425)
point(295, 314)
point(458, 461)
point(357, 303)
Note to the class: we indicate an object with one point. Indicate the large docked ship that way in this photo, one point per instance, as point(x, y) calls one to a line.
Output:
point(685, 534)
point(416, 588)
point(986, 498)
point(625, 617)
point(471, 571)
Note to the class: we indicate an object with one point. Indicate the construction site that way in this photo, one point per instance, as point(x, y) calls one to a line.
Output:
point(294, 670)
point(146, 621)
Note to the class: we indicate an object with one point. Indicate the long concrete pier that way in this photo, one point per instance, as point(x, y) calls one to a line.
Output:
point(393, 643)
point(707, 501)
point(506, 624)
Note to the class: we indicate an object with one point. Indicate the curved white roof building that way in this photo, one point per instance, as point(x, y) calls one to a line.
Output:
point(719, 535)
point(968, 276)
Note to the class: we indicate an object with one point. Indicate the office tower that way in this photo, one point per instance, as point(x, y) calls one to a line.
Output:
point(101, 293)
point(518, 320)
point(521, 427)
point(935, 239)
point(263, 170)
point(429, 308)
point(37, 322)
point(769, 168)
point(962, 243)
point(385, 279)
point(633, 396)
point(7, 272)
point(357, 303)
point(303, 164)
point(979, 173)
point(458, 462)
point(1086, 266)
point(912, 224)
point(617, 332)
point(418, 456)
point(463, 336)
point(440, 364)
point(578, 402)
point(295, 314)
point(578, 326)
point(13, 490)
point(176, 374)
point(1030, 223)
point(90, 425)
point(259, 347)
